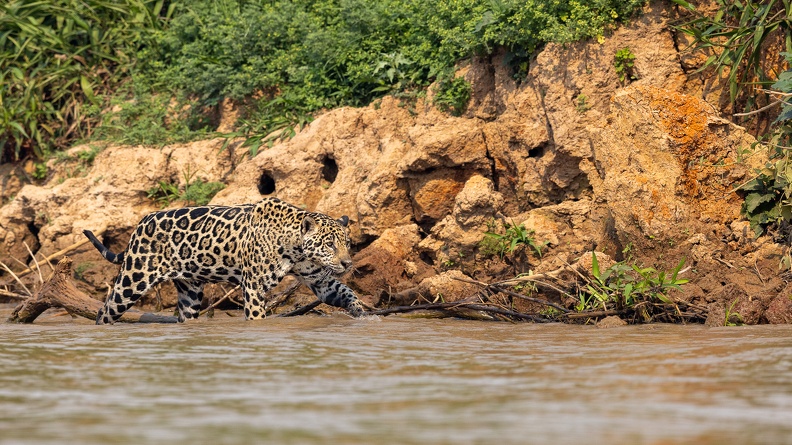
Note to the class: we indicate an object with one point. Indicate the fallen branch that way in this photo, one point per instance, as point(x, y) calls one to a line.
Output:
point(467, 304)
point(222, 299)
point(16, 278)
point(5, 293)
point(59, 291)
point(272, 303)
point(302, 310)
point(591, 314)
point(496, 288)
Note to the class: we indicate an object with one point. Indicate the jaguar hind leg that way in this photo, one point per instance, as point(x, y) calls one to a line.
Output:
point(190, 298)
point(128, 288)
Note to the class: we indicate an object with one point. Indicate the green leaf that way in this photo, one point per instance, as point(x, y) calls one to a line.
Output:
point(754, 200)
point(628, 291)
point(677, 269)
point(684, 4)
point(785, 115)
point(595, 270)
point(87, 89)
point(254, 148)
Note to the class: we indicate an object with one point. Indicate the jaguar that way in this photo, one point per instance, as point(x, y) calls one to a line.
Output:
point(251, 245)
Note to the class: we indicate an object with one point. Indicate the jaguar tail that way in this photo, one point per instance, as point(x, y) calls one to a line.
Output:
point(106, 253)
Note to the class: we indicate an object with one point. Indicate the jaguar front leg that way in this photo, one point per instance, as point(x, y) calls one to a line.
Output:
point(255, 293)
point(333, 292)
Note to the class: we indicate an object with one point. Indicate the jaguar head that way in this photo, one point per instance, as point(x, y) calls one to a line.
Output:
point(326, 243)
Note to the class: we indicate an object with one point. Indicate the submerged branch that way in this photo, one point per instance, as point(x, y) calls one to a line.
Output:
point(302, 310)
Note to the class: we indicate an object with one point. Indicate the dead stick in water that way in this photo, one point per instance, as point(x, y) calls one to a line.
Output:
point(468, 303)
point(595, 314)
point(5, 293)
point(302, 310)
point(59, 291)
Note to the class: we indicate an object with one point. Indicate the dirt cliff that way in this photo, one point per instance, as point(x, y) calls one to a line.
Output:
point(645, 170)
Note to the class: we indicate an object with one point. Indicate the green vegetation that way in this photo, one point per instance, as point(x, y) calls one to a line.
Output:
point(196, 192)
point(581, 103)
point(40, 171)
point(515, 235)
point(737, 38)
point(732, 318)
point(628, 286)
point(62, 62)
point(79, 270)
point(452, 95)
point(624, 62)
point(58, 58)
point(145, 119)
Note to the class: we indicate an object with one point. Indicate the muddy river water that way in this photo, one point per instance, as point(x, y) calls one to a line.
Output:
point(335, 380)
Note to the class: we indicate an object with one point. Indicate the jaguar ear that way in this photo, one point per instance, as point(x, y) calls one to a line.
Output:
point(308, 225)
point(344, 220)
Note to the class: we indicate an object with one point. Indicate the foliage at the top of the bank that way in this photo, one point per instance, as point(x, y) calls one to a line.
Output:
point(65, 64)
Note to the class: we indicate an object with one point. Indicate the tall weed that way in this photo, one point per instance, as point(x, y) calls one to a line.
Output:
point(57, 60)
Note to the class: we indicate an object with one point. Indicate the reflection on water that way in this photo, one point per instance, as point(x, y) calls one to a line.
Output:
point(392, 380)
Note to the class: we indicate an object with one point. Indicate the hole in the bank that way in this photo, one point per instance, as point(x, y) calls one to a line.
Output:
point(427, 258)
point(266, 184)
point(33, 229)
point(329, 169)
point(536, 152)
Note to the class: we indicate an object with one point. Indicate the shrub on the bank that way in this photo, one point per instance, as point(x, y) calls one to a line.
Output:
point(317, 53)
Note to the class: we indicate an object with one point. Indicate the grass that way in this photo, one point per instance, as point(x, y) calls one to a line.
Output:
point(732, 318)
point(58, 58)
point(735, 37)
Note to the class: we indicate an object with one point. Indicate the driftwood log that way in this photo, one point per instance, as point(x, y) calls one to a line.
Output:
point(59, 291)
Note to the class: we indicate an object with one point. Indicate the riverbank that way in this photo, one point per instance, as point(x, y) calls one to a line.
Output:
point(535, 175)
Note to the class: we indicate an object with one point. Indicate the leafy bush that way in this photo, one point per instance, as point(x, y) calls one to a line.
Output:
point(769, 195)
point(624, 62)
point(59, 59)
point(297, 57)
point(736, 36)
point(195, 192)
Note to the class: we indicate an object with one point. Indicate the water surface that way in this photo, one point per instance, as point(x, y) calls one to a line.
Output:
point(312, 380)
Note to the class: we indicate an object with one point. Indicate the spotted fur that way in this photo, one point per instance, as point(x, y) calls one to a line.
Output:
point(254, 245)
